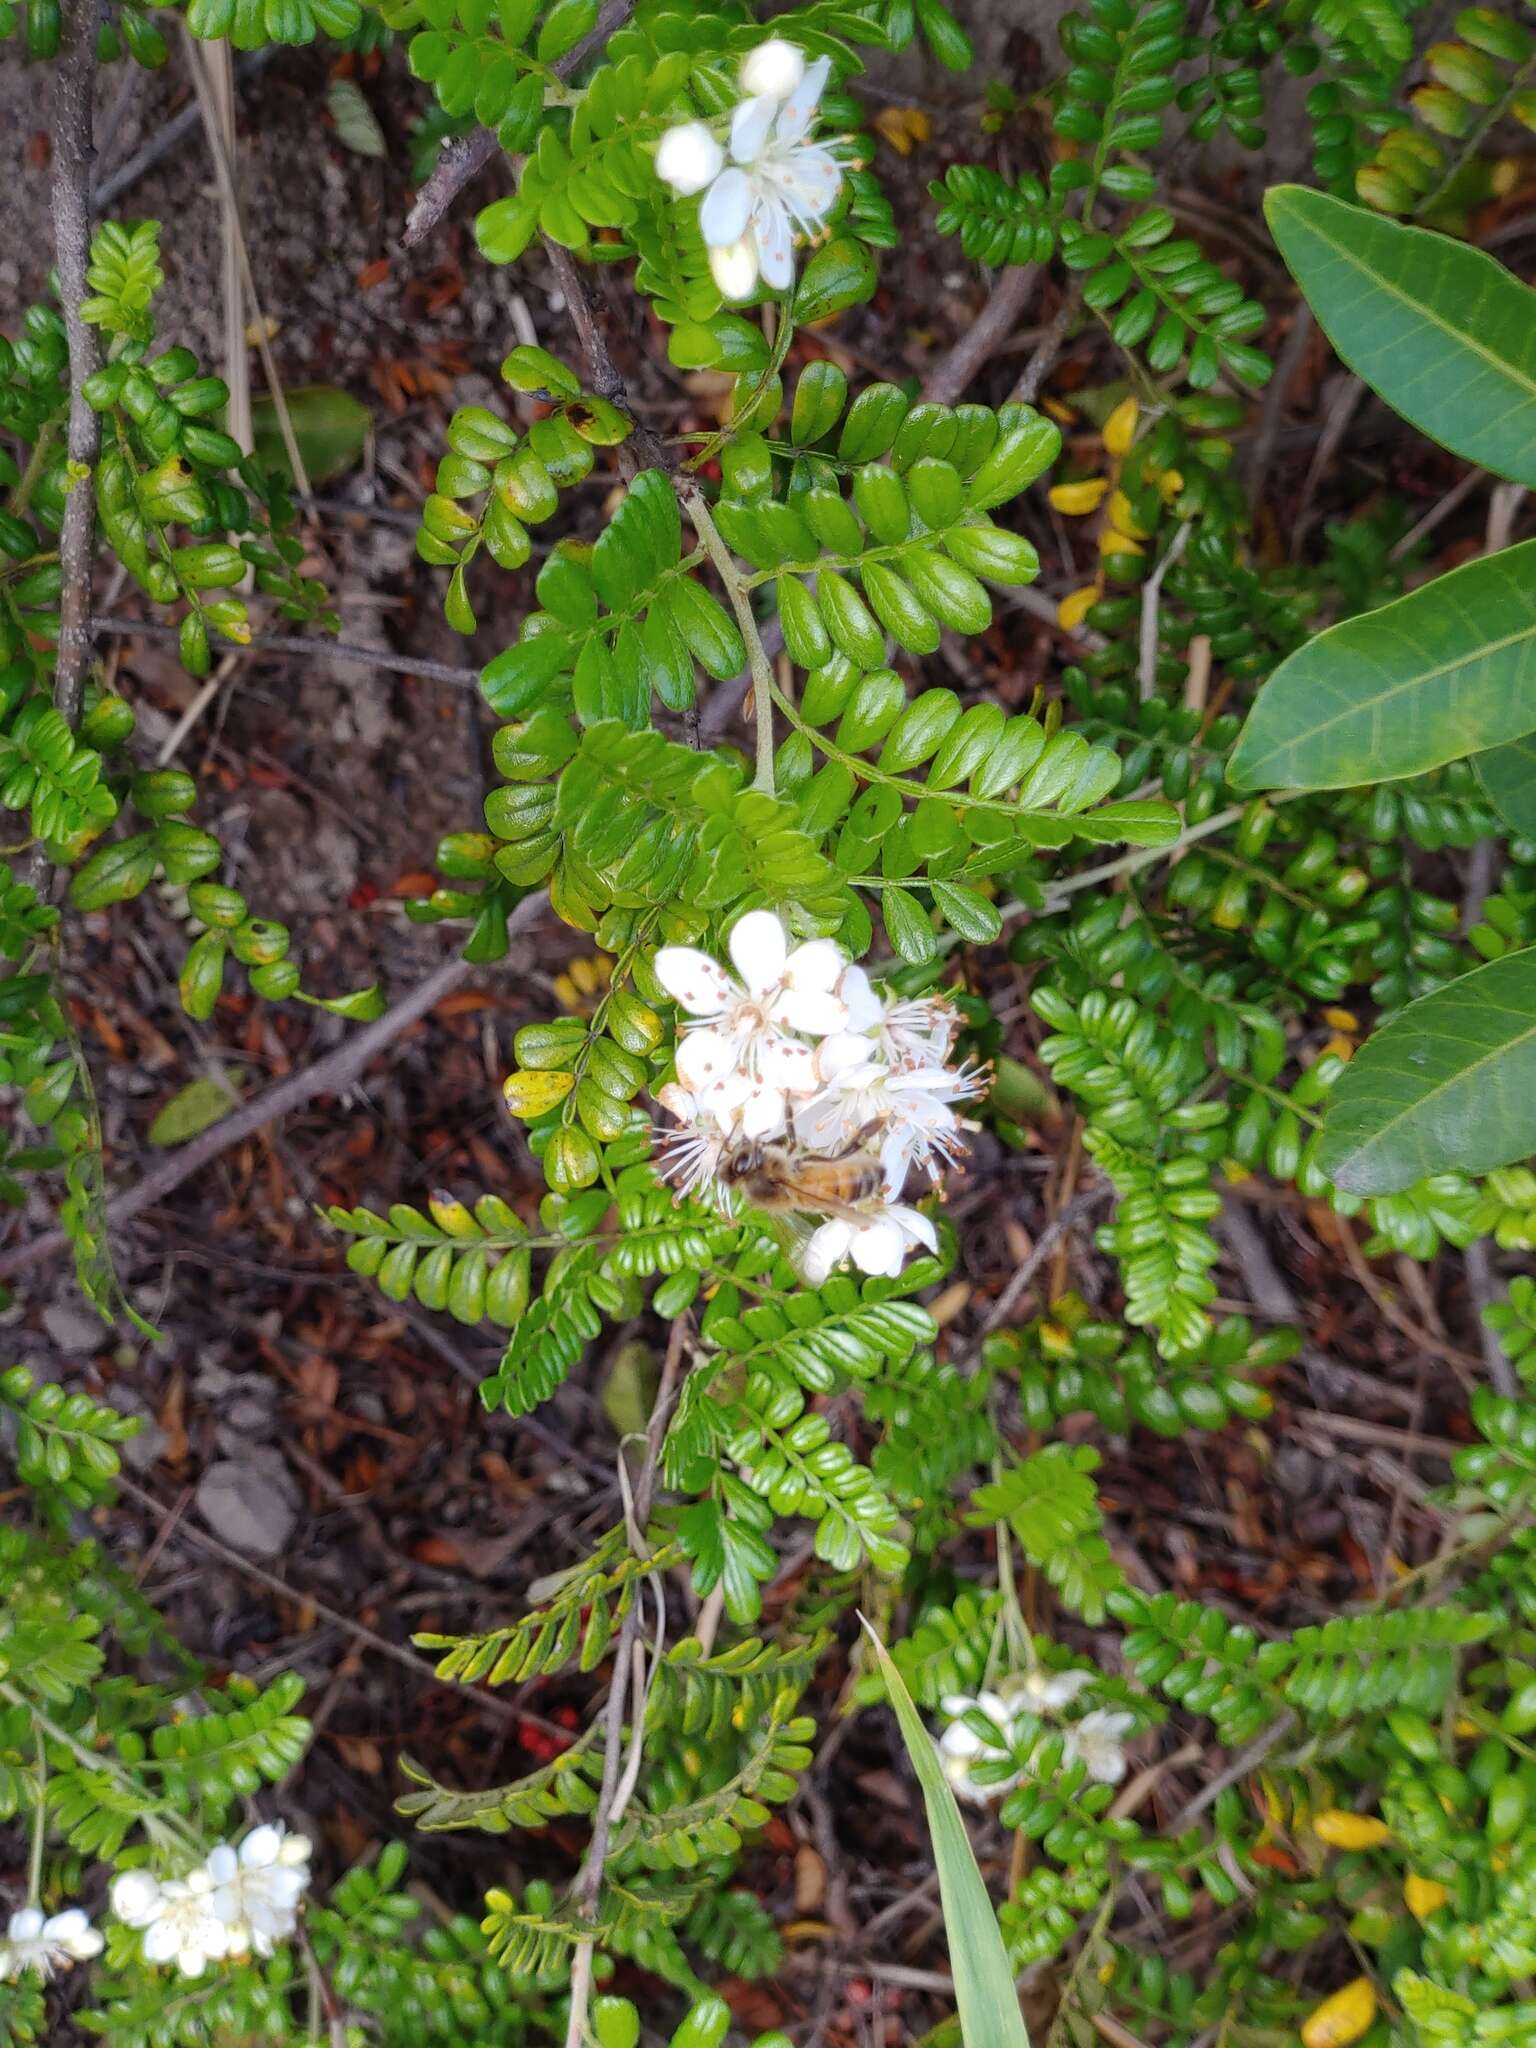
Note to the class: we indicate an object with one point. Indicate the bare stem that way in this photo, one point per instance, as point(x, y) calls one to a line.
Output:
point(589, 1880)
point(73, 157)
point(757, 656)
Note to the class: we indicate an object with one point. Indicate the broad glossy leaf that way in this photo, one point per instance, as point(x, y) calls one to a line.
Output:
point(1508, 778)
point(329, 425)
point(1442, 331)
point(1446, 671)
point(1450, 1082)
point(985, 1994)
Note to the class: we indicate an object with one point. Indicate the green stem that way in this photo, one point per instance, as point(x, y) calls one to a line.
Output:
point(763, 692)
point(39, 1823)
point(21, 497)
point(168, 1823)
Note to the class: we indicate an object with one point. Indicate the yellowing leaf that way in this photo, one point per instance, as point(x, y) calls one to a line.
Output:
point(902, 127)
point(1343, 2018)
point(531, 1094)
point(1341, 1830)
point(1073, 610)
point(1120, 428)
point(1076, 499)
point(1423, 1895)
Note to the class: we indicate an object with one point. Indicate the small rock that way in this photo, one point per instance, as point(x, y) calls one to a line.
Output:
point(74, 1329)
point(250, 1503)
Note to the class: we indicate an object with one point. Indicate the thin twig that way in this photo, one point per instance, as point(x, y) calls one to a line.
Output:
point(1151, 591)
point(316, 649)
point(201, 1539)
point(951, 375)
point(73, 157)
point(328, 1076)
point(589, 1880)
point(464, 160)
point(1053, 1233)
point(170, 137)
point(1341, 410)
point(642, 449)
point(230, 202)
point(1261, 451)
point(1043, 361)
point(692, 499)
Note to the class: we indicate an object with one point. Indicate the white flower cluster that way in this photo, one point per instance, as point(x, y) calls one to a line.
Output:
point(47, 1946)
point(805, 1055)
point(777, 181)
point(237, 1903)
point(1096, 1741)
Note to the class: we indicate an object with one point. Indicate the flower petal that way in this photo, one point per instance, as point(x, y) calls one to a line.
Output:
point(826, 1248)
point(845, 1059)
point(818, 964)
point(806, 183)
point(726, 208)
point(786, 1064)
point(259, 1848)
point(879, 1247)
point(688, 158)
point(916, 1226)
point(223, 1863)
point(734, 268)
point(693, 979)
point(775, 242)
point(810, 1009)
point(759, 947)
point(864, 1007)
point(161, 1941)
point(705, 1058)
point(750, 125)
point(762, 1114)
point(26, 1924)
point(796, 113)
point(136, 1897)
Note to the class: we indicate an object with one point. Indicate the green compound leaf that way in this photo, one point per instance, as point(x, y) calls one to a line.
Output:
point(1448, 670)
point(1449, 1083)
point(1441, 331)
point(984, 1988)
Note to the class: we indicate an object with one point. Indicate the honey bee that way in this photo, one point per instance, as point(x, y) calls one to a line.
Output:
point(783, 1180)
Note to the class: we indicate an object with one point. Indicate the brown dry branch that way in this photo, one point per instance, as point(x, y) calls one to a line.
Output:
point(463, 161)
point(74, 156)
point(313, 648)
point(327, 1076)
point(952, 374)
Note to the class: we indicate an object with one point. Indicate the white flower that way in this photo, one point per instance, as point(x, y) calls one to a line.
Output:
point(177, 1917)
point(878, 1245)
point(904, 1031)
point(774, 67)
point(960, 1746)
point(46, 1946)
point(1097, 1743)
point(256, 1892)
point(777, 183)
point(902, 1113)
point(1044, 1693)
point(136, 1898)
point(743, 1030)
point(689, 158)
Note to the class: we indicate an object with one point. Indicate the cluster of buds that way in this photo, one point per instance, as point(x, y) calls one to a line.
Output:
point(802, 1066)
